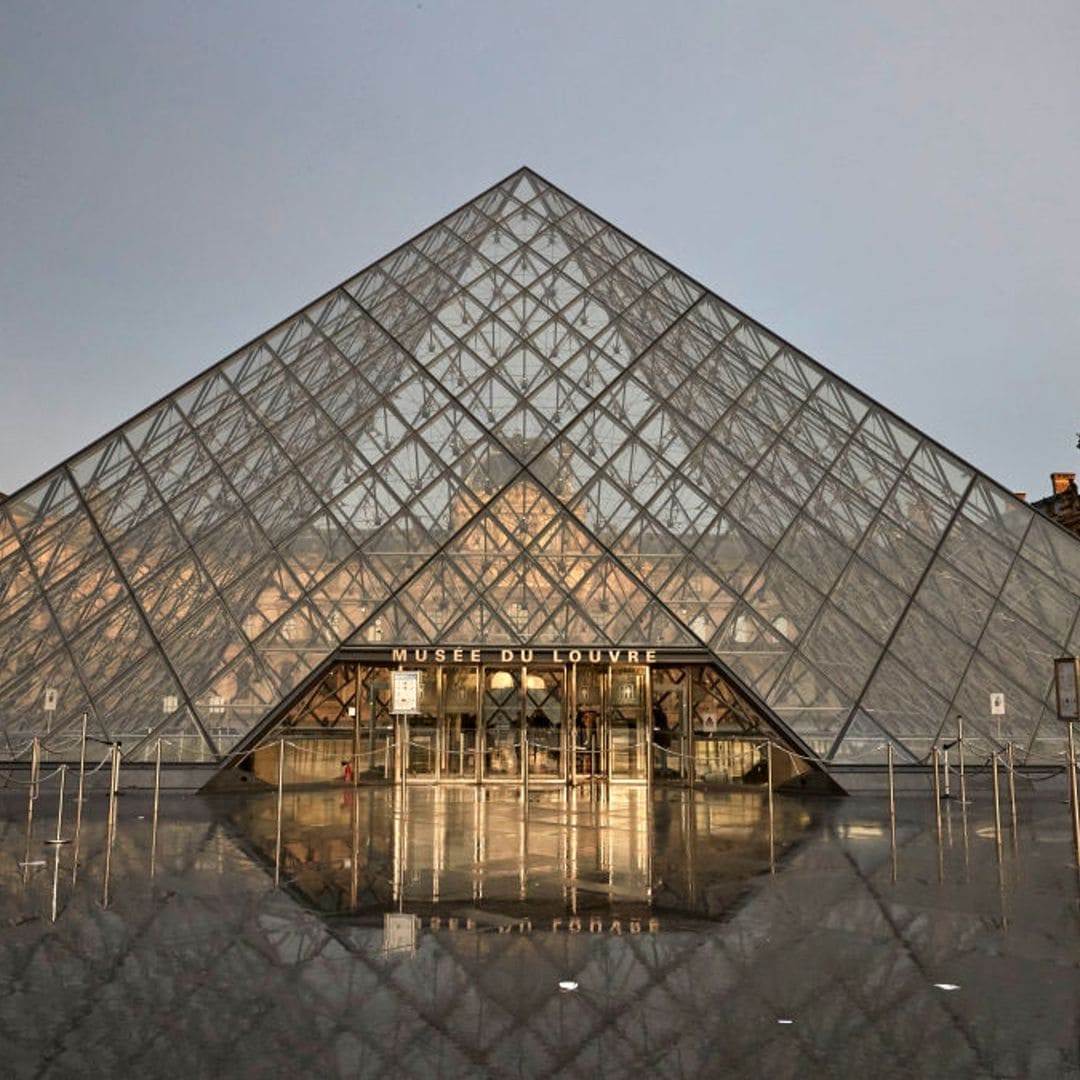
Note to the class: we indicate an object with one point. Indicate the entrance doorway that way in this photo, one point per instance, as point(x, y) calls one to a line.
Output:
point(528, 724)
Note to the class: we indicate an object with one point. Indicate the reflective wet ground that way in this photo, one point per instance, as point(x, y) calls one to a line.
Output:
point(690, 957)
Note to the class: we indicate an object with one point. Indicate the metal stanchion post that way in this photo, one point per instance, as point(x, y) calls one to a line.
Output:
point(157, 799)
point(937, 815)
point(110, 830)
point(280, 797)
point(772, 813)
point(892, 809)
point(997, 808)
point(945, 775)
point(79, 804)
point(960, 751)
point(525, 761)
point(1074, 796)
point(35, 767)
point(57, 841)
point(1012, 787)
point(31, 795)
point(937, 795)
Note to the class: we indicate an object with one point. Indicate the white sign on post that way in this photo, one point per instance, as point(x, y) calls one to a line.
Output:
point(51, 696)
point(997, 704)
point(405, 687)
point(1067, 685)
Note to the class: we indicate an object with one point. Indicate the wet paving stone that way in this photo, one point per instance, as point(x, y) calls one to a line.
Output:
point(680, 950)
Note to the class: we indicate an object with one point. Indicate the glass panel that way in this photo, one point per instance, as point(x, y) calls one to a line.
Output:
point(814, 553)
point(174, 594)
point(1055, 552)
point(997, 512)
point(262, 596)
point(867, 598)
point(231, 548)
point(502, 722)
point(1018, 723)
point(421, 748)
point(810, 705)
point(83, 595)
point(752, 649)
point(460, 738)
point(544, 696)
point(839, 649)
point(892, 551)
point(201, 646)
point(762, 510)
point(1019, 650)
point(953, 600)
point(928, 649)
point(1043, 602)
point(627, 725)
point(980, 557)
point(783, 599)
point(905, 707)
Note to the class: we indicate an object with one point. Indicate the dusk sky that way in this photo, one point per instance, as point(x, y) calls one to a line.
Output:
point(893, 187)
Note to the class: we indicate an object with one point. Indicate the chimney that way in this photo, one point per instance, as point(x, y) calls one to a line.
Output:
point(1062, 481)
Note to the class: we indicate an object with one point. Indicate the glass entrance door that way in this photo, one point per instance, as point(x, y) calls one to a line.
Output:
point(588, 732)
point(421, 729)
point(502, 714)
point(627, 732)
point(459, 733)
point(544, 696)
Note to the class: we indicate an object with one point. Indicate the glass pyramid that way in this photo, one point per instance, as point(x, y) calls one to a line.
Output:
point(522, 427)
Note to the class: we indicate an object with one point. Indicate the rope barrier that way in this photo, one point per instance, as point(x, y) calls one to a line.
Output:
point(10, 780)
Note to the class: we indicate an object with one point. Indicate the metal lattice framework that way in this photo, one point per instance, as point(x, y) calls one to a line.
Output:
point(522, 427)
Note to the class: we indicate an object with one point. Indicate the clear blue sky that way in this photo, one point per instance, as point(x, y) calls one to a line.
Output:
point(894, 187)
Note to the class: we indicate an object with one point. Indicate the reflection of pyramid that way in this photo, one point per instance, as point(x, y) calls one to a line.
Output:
point(522, 427)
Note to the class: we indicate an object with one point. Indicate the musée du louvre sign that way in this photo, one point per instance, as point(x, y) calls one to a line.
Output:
point(560, 655)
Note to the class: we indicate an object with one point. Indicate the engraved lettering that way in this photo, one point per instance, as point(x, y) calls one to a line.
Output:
point(399, 656)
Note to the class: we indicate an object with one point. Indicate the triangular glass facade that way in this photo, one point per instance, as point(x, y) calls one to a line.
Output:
point(522, 427)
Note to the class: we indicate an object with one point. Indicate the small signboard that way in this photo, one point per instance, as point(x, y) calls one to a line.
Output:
point(1067, 685)
point(51, 697)
point(169, 704)
point(405, 692)
point(997, 704)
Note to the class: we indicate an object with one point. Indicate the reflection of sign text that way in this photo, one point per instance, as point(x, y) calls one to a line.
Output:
point(574, 924)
